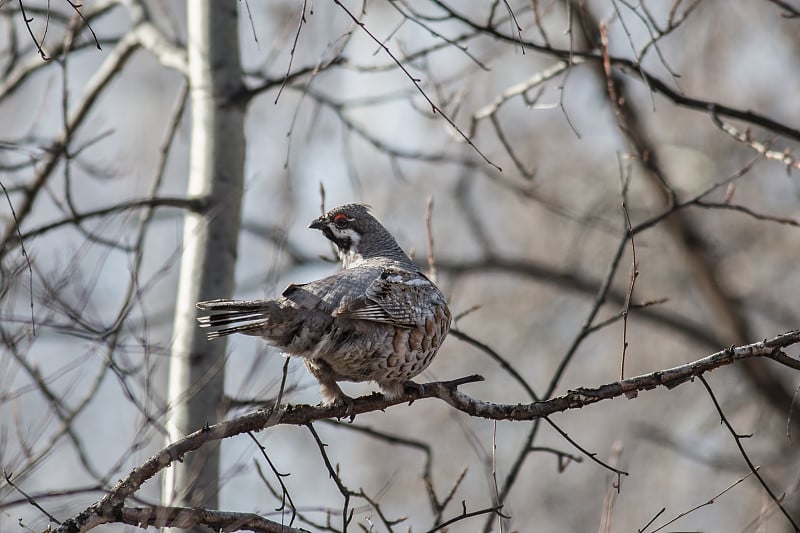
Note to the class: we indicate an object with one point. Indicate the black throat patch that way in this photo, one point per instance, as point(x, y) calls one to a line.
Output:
point(343, 243)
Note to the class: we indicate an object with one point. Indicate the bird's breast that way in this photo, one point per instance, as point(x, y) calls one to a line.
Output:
point(360, 350)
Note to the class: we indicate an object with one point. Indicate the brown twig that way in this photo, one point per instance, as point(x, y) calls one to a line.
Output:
point(696, 507)
point(584, 451)
point(429, 234)
point(787, 221)
point(30, 499)
point(788, 10)
point(464, 515)
point(738, 439)
point(347, 513)
point(435, 108)
point(30, 31)
point(77, 9)
point(563, 458)
point(291, 52)
point(629, 65)
point(285, 496)
point(631, 284)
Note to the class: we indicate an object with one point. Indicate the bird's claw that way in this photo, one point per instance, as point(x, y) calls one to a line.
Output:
point(342, 400)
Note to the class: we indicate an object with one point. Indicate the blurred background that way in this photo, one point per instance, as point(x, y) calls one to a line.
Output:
point(685, 112)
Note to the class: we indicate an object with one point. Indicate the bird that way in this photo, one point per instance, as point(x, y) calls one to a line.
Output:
point(377, 319)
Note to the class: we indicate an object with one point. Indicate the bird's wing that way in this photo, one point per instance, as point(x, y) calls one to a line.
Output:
point(396, 297)
point(303, 295)
point(328, 294)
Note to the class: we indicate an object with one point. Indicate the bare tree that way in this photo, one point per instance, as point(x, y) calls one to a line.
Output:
point(196, 370)
point(606, 191)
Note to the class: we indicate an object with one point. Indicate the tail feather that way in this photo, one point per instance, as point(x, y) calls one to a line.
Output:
point(250, 315)
point(233, 305)
point(247, 329)
point(213, 321)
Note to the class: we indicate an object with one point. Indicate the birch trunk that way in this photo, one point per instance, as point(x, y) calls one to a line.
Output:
point(196, 368)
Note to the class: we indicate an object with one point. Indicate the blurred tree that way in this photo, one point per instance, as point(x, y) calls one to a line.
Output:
point(216, 176)
point(615, 209)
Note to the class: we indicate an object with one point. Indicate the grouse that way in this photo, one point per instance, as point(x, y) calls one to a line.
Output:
point(378, 319)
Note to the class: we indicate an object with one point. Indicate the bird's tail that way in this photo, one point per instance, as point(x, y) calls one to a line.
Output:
point(235, 316)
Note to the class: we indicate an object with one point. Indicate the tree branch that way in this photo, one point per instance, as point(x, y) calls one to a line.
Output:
point(111, 503)
point(188, 517)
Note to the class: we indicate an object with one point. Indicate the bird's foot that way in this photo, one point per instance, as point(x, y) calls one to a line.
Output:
point(340, 400)
point(330, 393)
point(412, 387)
point(392, 390)
point(397, 389)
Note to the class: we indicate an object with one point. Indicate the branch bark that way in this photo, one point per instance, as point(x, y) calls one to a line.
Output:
point(186, 517)
point(445, 390)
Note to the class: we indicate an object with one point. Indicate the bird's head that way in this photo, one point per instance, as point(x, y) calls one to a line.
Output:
point(357, 234)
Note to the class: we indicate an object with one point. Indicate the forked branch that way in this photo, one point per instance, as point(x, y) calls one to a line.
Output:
point(112, 503)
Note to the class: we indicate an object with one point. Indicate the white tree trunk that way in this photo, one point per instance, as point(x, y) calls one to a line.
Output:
point(196, 370)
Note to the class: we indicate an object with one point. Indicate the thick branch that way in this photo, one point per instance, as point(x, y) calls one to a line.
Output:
point(187, 517)
point(113, 63)
point(444, 390)
point(634, 69)
point(191, 204)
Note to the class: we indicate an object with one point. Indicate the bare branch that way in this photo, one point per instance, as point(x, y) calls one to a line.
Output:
point(30, 499)
point(693, 509)
point(435, 108)
point(753, 469)
point(464, 515)
point(186, 518)
point(445, 390)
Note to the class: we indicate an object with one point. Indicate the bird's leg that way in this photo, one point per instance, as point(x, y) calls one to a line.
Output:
point(392, 389)
point(332, 396)
point(329, 391)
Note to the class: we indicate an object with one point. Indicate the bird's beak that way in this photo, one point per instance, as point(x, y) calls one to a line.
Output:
point(318, 223)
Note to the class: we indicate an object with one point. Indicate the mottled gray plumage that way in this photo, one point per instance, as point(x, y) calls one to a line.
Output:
point(379, 319)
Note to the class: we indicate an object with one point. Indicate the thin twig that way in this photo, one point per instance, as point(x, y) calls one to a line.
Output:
point(790, 414)
point(649, 523)
point(564, 458)
point(738, 439)
point(709, 502)
point(497, 501)
point(587, 453)
point(77, 9)
point(612, 490)
point(347, 514)
point(631, 284)
point(30, 31)
point(32, 501)
point(291, 52)
point(24, 255)
point(279, 476)
point(464, 515)
point(432, 274)
point(434, 108)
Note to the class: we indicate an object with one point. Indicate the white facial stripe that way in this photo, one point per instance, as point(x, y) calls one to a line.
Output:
point(350, 233)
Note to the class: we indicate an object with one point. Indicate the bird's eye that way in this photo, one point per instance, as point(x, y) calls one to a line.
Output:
point(341, 220)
